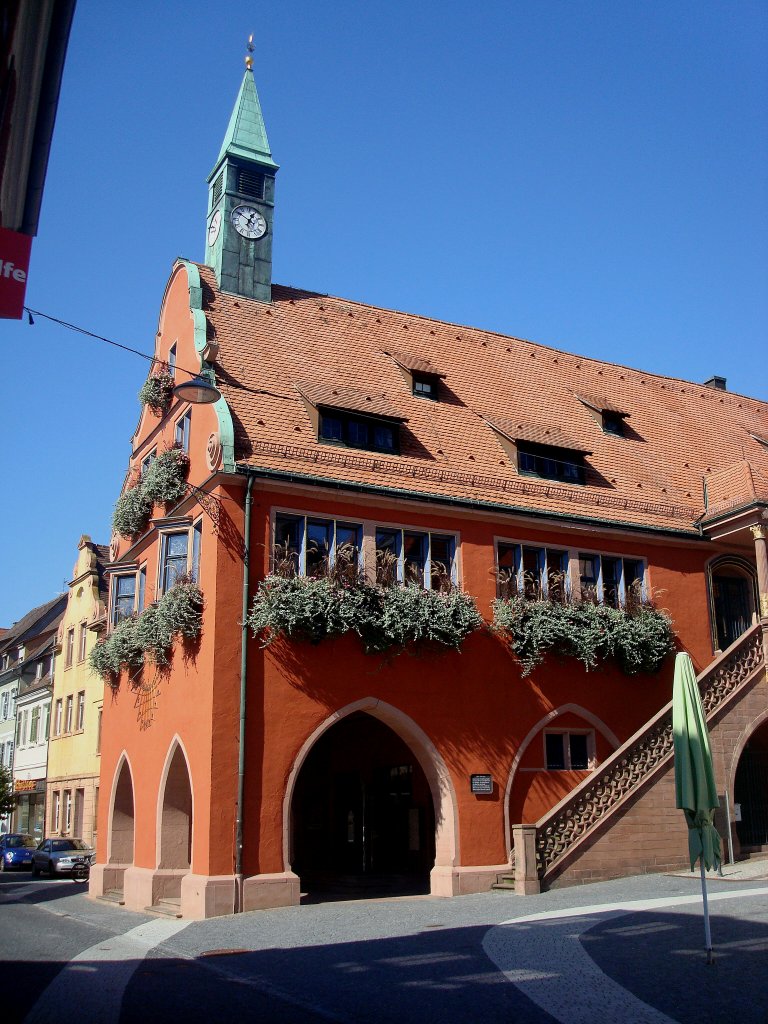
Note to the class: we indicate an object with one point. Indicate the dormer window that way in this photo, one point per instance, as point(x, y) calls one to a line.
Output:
point(541, 450)
point(613, 423)
point(425, 386)
point(609, 415)
point(550, 463)
point(353, 418)
point(358, 432)
point(422, 376)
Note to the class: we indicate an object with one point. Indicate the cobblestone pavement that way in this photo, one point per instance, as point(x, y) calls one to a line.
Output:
point(629, 950)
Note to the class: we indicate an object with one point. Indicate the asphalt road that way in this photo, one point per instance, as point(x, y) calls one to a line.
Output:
point(626, 951)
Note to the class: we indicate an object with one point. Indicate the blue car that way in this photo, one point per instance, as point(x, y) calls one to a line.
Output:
point(16, 850)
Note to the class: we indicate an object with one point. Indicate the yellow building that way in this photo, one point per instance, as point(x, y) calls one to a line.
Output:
point(78, 696)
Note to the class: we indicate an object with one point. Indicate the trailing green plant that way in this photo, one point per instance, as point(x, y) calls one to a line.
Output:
point(162, 483)
point(157, 392)
point(150, 635)
point(638, 638)
point(384, 617)
point(132, 512)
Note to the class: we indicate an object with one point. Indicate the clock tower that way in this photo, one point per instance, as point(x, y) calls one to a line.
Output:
point(241, 200)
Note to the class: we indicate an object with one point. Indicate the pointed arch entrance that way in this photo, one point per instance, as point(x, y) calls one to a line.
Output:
point(121, 819)
point(369, 806)
point(751, 791)
point(175, 832)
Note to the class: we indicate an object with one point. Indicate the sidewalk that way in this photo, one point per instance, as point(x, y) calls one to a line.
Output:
point(741, 871)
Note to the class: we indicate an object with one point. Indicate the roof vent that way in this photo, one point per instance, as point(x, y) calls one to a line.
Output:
point(716, 382)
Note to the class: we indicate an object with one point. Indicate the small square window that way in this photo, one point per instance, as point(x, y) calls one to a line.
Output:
point(425, 386)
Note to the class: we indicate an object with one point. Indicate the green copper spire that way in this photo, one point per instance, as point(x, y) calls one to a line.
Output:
point(246, 135)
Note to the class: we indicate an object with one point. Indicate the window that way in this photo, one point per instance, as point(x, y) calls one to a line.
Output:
point(56, 811)
point(57, 719)
point(181, 432)
point(172, 361)
point(20, 654)
point(410, 556)
point(21, 725)
point(607, 579)
point(573, 751)
point(46, 721)
point(425, 386)
point(550, 463)
point(80, 711)
point(123, 597)
point(344, 428)
point(6, 701)
point(197, 538)
point(70, 648)
point(533, 572)
point(307, 545)
point(173, 558)
point(147, 461)
point(12, 706)
point(142, 588)
point(613, 423)
point(9, 753)
point(67, 810)
point(39, 670)
point(6, 661)
point(83, 642)
point(68, 714)
point(98, 732)
point(34, 724)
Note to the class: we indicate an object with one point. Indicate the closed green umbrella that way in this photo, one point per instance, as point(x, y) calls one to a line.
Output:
point(695, 789)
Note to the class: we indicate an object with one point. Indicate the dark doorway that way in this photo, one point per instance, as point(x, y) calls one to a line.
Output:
point(733, 606)
point(363, 820)
point(751, 791)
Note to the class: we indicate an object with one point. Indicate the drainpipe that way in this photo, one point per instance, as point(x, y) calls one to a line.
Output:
point(243, 680)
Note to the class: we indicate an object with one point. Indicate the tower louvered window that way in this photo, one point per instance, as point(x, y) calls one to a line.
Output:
point(250, 183)
point(217, 188)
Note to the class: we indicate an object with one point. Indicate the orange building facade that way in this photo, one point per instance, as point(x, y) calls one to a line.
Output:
point(239, 775)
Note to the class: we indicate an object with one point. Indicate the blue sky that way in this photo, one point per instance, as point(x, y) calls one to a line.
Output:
point(592, 176)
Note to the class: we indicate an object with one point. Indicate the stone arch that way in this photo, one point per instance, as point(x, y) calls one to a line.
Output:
point(551, 716)
point(175, 810)
point(431, 763)
point(748, 783)
point(721, 568)
point(120, 834)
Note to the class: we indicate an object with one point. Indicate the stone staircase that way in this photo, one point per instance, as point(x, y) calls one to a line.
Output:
point(169, 906)
point(113, 896)
point(619, 795)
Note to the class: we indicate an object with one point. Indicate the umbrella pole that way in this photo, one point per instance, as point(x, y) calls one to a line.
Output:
point(707, 933)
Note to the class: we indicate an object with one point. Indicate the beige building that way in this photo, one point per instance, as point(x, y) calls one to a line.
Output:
point(78, 696)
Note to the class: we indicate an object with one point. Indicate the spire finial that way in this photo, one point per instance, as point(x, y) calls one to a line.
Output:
point(249, 58)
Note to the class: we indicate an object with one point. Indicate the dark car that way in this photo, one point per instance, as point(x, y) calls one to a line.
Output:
point(59, 856)
point(16, 849)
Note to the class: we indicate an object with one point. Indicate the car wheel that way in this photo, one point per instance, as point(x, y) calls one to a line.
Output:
point(35, 869)
point(51, 869)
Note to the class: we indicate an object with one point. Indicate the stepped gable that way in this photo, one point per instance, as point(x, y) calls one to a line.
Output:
point(676, 435)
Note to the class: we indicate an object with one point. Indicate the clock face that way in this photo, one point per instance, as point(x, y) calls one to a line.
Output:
point(214, 227)
point(248, 222)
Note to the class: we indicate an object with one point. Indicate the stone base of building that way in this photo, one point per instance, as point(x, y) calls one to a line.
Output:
point(262, 892)
point(105, 878)
point(462, 881)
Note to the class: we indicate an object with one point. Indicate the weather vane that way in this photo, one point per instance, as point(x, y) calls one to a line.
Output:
point(249, 58)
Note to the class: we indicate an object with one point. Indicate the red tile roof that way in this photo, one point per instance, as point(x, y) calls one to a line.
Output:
point(680, 434)
point(352, 399)
point(536, 433)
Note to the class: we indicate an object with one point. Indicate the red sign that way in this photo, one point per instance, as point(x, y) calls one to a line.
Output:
point(14, 267)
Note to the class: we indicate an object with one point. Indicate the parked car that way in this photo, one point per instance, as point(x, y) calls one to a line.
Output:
point(16, 849)
point(59, 856)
